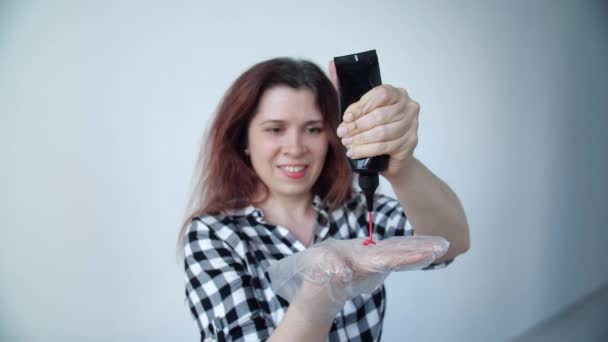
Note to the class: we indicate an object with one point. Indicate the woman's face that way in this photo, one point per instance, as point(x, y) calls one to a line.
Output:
point(287, 141)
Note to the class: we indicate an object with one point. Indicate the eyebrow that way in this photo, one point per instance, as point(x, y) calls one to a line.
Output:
point(274, 121)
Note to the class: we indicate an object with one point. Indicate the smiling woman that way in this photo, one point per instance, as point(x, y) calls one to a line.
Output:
point(274, 209)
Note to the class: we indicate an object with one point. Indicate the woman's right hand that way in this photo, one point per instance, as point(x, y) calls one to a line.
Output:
point(331, 272)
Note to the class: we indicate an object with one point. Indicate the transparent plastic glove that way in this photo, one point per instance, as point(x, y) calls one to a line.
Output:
point(333, 271)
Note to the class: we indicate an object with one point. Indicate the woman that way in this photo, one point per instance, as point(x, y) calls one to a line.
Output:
point(274, 181)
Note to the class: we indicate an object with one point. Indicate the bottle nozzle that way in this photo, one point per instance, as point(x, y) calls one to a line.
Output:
point(368, 182)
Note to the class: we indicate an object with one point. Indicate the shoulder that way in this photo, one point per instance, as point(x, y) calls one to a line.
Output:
point(222, 221)
point(211, 223)
point(214, 229)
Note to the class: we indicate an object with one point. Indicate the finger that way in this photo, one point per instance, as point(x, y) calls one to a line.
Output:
point(348, 126)
point(413, 261)
point(353, 111)
point(396, 253)
point(333, 76)
point(382, 95)
point(404, 256)
point(381, 116)
point(382, 260)
point(345, 129)
point(388, 132)
point(435, 244)
point(376, 149)
point(378, 117)
point(379, 96)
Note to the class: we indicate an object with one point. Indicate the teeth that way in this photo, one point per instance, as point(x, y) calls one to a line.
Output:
point(293, 168)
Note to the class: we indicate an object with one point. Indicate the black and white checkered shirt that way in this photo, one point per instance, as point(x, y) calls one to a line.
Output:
point(226, 258)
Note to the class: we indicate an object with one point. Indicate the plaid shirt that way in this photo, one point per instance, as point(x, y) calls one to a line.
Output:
point(226, 258)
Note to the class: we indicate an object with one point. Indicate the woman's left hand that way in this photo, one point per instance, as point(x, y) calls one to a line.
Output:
point(383, 121)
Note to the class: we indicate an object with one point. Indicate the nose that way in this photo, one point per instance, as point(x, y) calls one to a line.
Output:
point(294, 145)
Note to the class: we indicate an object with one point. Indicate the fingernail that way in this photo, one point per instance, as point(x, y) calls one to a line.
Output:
point(349, 152)
point(342, 131)
point(347, 141)
point(348, 117)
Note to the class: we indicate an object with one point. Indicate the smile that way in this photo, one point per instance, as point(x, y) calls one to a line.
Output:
point(294, 171)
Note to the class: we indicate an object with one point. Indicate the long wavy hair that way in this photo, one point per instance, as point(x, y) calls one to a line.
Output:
point(225, 179)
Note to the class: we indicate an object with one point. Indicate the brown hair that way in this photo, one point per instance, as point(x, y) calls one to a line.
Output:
point(225, 178)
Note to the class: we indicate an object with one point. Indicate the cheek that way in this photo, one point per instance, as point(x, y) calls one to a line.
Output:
point(263, 150)
point(321, 147)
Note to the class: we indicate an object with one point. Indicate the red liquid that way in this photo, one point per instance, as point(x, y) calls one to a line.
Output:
point(370, 240)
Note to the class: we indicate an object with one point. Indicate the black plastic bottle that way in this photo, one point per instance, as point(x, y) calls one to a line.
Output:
point(357, 74)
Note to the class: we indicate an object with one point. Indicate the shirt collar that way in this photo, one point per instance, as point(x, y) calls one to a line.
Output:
point(317, 203)
point(257, 213)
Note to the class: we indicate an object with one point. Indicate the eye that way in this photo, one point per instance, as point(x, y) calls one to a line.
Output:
point(274, 130)
point(315, 129)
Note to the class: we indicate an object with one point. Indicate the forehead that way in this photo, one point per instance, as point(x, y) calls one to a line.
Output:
point(286, 103)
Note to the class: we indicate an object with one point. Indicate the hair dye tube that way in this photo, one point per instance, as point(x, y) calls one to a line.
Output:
point(357, 74)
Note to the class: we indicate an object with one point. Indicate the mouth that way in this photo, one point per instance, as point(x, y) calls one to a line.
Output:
point(294, 171)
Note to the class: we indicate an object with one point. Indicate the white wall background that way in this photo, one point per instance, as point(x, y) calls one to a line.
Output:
point(103, 105)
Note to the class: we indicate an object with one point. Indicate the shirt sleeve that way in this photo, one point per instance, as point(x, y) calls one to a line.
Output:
point(390, 220)
point(219, 290)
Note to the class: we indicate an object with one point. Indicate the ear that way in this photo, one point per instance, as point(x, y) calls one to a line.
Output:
point(333, 76)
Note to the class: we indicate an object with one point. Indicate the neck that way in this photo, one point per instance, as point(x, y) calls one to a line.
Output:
point(284, 208)
point(294, 213)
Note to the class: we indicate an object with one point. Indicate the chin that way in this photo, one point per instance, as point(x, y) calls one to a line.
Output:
point(293, 191)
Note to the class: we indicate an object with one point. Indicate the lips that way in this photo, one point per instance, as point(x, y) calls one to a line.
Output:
point(294, 171)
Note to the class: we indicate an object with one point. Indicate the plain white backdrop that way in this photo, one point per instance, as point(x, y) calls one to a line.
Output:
point(103, 106)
